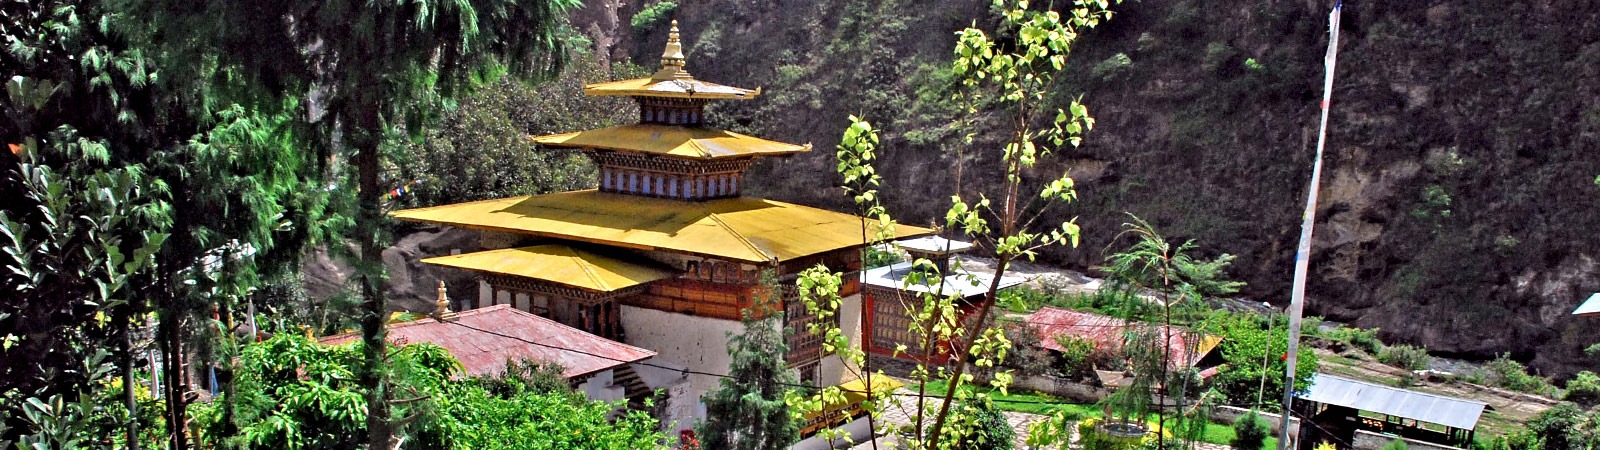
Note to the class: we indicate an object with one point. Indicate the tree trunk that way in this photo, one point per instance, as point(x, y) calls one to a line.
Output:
point(365, 139)
point(172, 358)
point(125, 360)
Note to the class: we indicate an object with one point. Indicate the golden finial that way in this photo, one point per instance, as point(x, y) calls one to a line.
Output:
point(672, 60)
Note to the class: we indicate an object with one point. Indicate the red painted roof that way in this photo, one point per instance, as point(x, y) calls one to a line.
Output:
point(485, 353)
point(1108, 333)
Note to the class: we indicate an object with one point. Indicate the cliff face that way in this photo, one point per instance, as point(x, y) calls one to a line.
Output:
point(1458, 200)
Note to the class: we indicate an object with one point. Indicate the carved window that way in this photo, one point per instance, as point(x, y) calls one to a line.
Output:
point(891, 325)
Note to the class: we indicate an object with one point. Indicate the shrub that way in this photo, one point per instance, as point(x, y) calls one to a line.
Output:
point(1513, 375)
point(1584, 389)
point(1111, 67)
point(1027, 357)
point(1366, 340)
point(1249, 432)
point(1077, 358)
point(1395, 445)
point(1405, 357)
point(991, 431)
point(879, 257)
point(653, 14)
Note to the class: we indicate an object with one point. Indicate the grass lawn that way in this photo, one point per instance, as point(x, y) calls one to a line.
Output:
point(1024, 401)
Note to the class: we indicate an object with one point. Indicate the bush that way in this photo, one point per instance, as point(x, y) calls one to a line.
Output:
point(1027, 357)
point(991, 431)
point(1395, 445)
point(653, 14)
point(1513, 375)
point(879, 257)
point(1405, 357)
point(1077, 357)
point(1564, 427)
point(1584, 389)
point(1366, 340)
point(1249, 432)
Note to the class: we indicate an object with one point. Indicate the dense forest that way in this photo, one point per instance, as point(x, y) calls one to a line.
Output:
point(199, 245)
point(1459, 196)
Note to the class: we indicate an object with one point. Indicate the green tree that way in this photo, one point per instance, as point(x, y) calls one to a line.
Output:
point(1012, 76)
point(222, 179)
point(375, 72)
point(480, 149)
point(747, 410)
point(1180, 284)
point(73, 258)
point(1253, 347)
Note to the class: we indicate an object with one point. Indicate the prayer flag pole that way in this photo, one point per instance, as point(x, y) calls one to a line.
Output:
point(1303, 254)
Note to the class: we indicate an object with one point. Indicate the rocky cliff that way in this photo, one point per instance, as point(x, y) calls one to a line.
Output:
point(1459, 196)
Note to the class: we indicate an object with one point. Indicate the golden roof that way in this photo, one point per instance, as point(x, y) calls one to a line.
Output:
point(671, 140)
point(741, 229)
point(673, 80)
point(558, 264)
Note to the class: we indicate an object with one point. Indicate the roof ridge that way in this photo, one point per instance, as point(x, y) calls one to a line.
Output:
point(474, 202)
point(716, 217)
point(584, 264)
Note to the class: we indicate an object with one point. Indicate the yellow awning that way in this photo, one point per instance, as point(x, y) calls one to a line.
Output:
point(557, 264)
point(741, 229)
point(678, 88)
point(671, 140)
point(856, 391)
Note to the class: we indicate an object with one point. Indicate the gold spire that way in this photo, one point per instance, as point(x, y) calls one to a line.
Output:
point(672, 60)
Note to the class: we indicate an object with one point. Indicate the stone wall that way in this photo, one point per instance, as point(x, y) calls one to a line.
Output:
point(1367, 440)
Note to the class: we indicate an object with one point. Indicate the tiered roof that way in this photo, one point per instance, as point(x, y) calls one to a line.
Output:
point(672, 141)
point(559, 264)
point(668, 183)
point(740, 229)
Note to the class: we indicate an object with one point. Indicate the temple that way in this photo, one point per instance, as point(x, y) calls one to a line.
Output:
point(667, 254)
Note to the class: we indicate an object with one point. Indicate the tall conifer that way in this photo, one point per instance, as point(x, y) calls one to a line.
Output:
point(747, 410)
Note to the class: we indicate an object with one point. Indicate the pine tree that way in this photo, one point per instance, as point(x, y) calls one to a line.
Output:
point(377, 71)
point(747, 410)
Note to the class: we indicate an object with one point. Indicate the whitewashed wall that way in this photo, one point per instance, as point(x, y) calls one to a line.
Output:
point(698, 343)
point(834, 370)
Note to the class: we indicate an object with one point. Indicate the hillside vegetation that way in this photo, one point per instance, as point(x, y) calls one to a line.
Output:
point(1459, 195)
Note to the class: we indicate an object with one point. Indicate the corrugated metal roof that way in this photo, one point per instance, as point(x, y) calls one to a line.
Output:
point(741, 229)
point(1447, 411)
point(671, 140)
point(962, 282)
point(679, 88)
point(484, 353)
point(1590, 307)
point(558, 264)
point(1108, 333)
